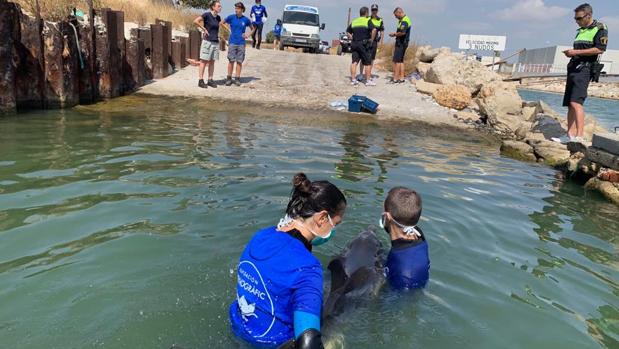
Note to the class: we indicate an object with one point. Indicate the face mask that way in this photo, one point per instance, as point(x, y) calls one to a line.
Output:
point(408, 230)
point(318, 240)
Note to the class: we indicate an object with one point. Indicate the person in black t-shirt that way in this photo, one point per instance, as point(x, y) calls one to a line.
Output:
point(363, 34)
point(209, 22)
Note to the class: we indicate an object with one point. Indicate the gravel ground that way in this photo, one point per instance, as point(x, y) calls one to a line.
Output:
point(303, 81)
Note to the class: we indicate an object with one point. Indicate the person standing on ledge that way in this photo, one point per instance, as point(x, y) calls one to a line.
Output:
point(402, 36)
point(237, 24)
point(363, 34)
point(590, 43)
point(209, 22)
point(259, 16)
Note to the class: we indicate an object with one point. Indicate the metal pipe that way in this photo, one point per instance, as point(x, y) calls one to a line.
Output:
point(79, 50)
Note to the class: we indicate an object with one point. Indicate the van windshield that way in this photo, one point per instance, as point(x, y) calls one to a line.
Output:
point(303, 18)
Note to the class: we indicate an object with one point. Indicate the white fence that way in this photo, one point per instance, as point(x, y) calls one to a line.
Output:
point(538, 69)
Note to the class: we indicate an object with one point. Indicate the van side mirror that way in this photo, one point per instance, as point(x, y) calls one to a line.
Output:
point(322, 26)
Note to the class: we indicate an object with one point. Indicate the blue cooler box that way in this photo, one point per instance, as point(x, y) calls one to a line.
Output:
point(355, 103)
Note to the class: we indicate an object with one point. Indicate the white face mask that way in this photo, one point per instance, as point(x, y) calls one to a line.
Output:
point(408, 230)
point(318, 240)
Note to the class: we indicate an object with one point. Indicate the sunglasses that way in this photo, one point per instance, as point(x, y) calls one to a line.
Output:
point(580, 18)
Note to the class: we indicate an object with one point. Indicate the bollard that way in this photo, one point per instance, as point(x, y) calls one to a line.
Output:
point(183, 40)
point(135, 69)
point(159, 53)
point(29, 82)
point(8, 32)
point(87, 78)
point(109, 56)
point(187, 48)
point(120, 37)
point(176, 55)
point(61, 71)
point(195, 40)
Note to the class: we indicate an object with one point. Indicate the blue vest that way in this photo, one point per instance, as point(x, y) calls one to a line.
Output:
point(277, 275)
point(408, 265)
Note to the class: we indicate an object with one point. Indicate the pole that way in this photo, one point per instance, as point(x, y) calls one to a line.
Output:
point(349, 17)
point(493, 58)
point(93, 52)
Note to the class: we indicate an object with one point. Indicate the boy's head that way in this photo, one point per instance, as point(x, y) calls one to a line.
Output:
point(239, 8)
point(402, 205)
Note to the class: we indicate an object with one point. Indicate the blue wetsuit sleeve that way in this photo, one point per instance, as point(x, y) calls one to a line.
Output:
point(265, 12)
point(307, 300)
point(304, 321)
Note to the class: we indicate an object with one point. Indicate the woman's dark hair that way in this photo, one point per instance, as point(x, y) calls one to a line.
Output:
point(308, 198)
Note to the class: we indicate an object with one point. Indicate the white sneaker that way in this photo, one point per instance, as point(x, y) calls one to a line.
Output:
point(370, 83)
point(578, 139)
point(354, 82)
point(563, 139)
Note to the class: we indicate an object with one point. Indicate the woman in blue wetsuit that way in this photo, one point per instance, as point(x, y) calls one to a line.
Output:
point(279, 285)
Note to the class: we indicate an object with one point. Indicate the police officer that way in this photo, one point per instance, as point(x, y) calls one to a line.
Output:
point(402, 37)
point(363, 35)
point(590, 43)
point(380, 37)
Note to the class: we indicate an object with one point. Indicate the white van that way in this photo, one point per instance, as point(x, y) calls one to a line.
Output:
point(301, 28)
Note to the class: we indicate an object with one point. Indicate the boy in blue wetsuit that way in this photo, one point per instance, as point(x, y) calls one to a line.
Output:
point(408, 263)
point(259, 16)
point(279, 292)
point(277, 32)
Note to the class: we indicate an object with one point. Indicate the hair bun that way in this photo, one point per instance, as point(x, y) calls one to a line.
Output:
point(301, 183)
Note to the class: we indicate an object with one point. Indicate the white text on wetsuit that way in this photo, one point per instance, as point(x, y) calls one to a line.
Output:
point(249, 286)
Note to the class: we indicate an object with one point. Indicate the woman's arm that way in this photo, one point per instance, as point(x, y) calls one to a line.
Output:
point(307, 307)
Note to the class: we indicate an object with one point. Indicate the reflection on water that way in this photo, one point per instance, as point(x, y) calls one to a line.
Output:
point(121, 224)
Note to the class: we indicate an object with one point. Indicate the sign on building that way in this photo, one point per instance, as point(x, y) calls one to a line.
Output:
point(482, 42)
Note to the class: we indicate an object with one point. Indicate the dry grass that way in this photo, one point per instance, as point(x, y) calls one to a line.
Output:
point(385, 56)
point(138, 11)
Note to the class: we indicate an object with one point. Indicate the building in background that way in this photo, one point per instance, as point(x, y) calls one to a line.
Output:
point(551, 60)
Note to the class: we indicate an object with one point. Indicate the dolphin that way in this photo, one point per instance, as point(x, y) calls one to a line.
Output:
point(356, 273)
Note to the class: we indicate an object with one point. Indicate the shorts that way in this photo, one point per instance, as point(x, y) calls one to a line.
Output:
point(360, 52)
point(373, 51)
point(576, 86)
point(209, 51)
point(398, 53)
point(236, 53)
point(278, 37)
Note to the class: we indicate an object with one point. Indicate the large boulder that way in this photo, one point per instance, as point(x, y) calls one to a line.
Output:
point(427, 88)
point(548, 126)
point(552, 153)
point(518, 150)
point(455, 69)
point(501, 104)
point(453, 96)
point(427, 54)
point(608, 189)
point(422, 68)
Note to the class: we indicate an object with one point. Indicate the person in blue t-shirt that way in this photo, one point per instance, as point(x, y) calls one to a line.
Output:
point(408, 262)
point(277, 32)
point(279, 292)
point(237, 25)
point(259, 16)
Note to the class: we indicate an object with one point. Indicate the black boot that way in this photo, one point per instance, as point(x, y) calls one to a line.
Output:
point(229, 81)
point(212, 83)
point(201, 83)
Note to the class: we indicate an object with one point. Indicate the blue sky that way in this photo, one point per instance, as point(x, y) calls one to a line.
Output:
point(526, 23)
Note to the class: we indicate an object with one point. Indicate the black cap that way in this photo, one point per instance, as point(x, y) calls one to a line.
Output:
point(374, 7)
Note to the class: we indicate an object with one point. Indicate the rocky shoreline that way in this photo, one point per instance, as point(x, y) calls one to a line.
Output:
point(478, 96)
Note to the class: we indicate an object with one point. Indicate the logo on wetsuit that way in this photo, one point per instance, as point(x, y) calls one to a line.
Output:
point(254, 299)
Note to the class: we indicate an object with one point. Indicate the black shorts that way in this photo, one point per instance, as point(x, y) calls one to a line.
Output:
point(576, 86)
point(398, 53)
point(374, 50)
point(361, 52)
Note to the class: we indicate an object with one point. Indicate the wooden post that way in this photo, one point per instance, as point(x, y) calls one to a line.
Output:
point(93, 50)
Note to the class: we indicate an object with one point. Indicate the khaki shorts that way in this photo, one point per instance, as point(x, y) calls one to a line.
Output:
point(209, 51)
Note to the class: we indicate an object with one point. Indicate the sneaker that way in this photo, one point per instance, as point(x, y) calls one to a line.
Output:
point(228, 82)
point(370, 83)
point(579, 139)
point(237, 82)
point(563, 139)
point(201, 84)
point(400, 81)
point(212, 84)
point(354, 82)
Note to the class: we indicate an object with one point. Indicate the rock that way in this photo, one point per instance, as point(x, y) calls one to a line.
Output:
point(609, 176)
point(427, 88)
point(502, 105)
point(608, 189)
point(534, 136)
point(529, 113)
point(553, 154)
point(523, 130)
point(422, 68)
point(546, 109)
point(427, 54)
point(29, 83)
point(577, 147)
point(549, 126)
point(453, 96)
point(9, 31)
point(518, 150)
point(531, 104)
point(454, 69)
point(444, 51)
point(467, 116)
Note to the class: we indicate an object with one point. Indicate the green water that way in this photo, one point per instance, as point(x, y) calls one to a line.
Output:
point(121, 226)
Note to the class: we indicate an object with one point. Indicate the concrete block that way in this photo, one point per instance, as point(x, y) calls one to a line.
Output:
point(603, 158)
point(607, 141)
point(9, 31)
point(29, 83)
